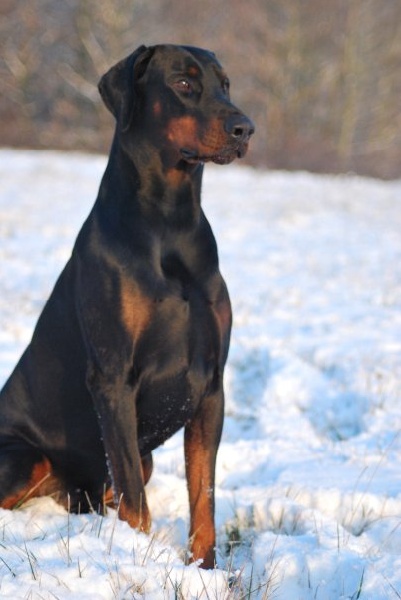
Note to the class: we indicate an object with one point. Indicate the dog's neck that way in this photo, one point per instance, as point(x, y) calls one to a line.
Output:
point(162, 185)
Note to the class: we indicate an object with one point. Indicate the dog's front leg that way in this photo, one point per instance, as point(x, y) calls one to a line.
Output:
point(109, 338)
point(202, 437)
point(115, 404)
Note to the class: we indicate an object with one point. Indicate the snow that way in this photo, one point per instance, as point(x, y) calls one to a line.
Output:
point(308, 496)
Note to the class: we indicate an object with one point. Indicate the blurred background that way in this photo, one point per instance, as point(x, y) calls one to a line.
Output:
point(321, 80)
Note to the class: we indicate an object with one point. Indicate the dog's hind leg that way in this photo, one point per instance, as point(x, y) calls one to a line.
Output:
point(24, 472)
point(147, 467)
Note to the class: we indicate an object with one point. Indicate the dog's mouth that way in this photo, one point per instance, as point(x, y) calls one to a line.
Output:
point(224, 157)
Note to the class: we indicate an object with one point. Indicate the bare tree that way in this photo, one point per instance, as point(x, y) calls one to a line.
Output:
point(321, 79)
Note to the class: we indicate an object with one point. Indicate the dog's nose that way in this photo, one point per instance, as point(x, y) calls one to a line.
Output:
point(239, 127)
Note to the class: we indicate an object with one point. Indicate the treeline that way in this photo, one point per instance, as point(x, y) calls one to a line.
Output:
point(322, 80)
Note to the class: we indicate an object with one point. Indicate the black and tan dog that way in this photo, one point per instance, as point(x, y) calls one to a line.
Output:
point(132, 342)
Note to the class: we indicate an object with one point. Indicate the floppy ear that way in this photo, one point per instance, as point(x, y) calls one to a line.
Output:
point(117, 86)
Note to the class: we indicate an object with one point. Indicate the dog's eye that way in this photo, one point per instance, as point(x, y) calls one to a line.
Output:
point(183, 85)
point(226, 85)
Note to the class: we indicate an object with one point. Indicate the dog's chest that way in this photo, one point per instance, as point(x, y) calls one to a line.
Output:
point(178, 356)
point(183, 330)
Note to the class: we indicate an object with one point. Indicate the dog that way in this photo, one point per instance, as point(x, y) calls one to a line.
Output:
point(132, 342)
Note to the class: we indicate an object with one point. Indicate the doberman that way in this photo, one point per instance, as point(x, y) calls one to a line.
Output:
point(132, 342)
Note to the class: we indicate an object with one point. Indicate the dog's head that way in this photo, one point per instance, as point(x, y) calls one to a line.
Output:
point(178, 98)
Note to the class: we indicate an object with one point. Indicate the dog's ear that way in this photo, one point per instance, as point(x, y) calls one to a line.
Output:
point(117, 86)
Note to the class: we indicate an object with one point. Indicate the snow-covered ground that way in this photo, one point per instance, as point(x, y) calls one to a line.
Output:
point(309, 469)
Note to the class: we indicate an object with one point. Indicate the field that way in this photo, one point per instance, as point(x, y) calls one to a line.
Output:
point(309, 469)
